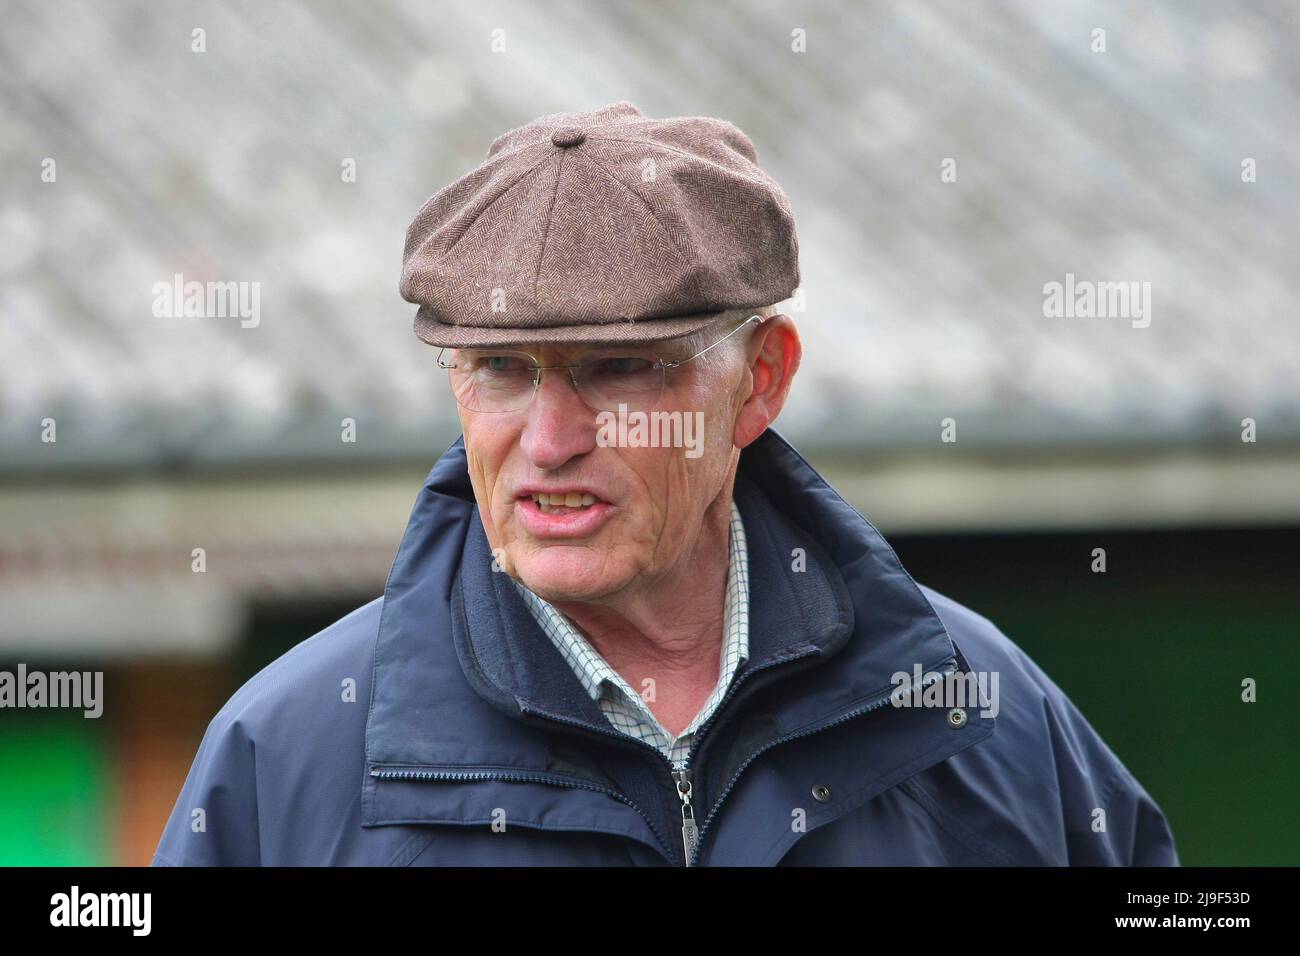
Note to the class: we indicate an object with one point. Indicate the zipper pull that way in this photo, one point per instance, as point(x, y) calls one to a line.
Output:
point(690, 835)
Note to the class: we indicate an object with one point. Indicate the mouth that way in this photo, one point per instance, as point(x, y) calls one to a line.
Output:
point(560, 503)
point(574, 513)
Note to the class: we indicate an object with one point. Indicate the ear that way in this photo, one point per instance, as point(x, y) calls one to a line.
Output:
point(772, 355)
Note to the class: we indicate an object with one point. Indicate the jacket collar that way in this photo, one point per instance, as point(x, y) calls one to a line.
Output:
point(442, 583)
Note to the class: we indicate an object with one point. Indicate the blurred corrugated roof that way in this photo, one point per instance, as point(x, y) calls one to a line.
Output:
point(923, 298)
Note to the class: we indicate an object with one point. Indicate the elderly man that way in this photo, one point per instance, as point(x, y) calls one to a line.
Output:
point(628, 623)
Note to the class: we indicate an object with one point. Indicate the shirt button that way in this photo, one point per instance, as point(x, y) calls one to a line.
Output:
point(821, 793)
point(956, 718)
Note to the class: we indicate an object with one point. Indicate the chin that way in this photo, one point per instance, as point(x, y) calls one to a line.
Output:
point(561, 573)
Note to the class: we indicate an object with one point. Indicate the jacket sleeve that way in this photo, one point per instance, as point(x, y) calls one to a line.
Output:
point(1110, 819)
point(214, 821)
point(1139, 834)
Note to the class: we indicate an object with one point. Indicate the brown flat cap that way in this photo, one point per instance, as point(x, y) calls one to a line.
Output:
point(605, 226)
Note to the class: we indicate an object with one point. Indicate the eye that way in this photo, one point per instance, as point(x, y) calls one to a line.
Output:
point(500, 364)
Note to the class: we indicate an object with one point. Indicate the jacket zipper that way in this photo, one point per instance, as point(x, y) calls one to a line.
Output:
point(624, 739)
point(691, 832)
point(690, 835)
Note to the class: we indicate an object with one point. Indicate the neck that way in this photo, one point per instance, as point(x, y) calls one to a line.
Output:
point(669, 632)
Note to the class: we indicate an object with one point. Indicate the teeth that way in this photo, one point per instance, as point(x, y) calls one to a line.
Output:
point(573, 499)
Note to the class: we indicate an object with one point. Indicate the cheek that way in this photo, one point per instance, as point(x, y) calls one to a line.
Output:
point(714, 396)
point(678, 486)
point(481, 471)
point(675, 490)
point(487, 450)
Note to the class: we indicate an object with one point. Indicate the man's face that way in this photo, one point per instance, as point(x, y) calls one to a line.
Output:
point(649, 501)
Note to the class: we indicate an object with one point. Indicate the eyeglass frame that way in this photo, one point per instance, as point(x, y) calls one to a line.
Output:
point(659, 365)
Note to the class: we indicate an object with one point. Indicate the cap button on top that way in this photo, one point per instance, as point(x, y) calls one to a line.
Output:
point(568, 136)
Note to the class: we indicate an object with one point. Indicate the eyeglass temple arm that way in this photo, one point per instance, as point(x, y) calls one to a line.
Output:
point(719, 342)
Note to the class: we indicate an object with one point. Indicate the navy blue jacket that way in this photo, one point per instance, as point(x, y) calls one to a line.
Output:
point(437, 725)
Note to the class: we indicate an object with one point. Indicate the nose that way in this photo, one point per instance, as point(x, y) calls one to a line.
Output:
point(560, 425)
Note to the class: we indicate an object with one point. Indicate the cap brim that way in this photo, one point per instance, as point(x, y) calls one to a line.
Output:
point(444, 335)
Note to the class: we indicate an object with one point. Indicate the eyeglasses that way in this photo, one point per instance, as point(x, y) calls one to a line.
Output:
point(505, 380)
